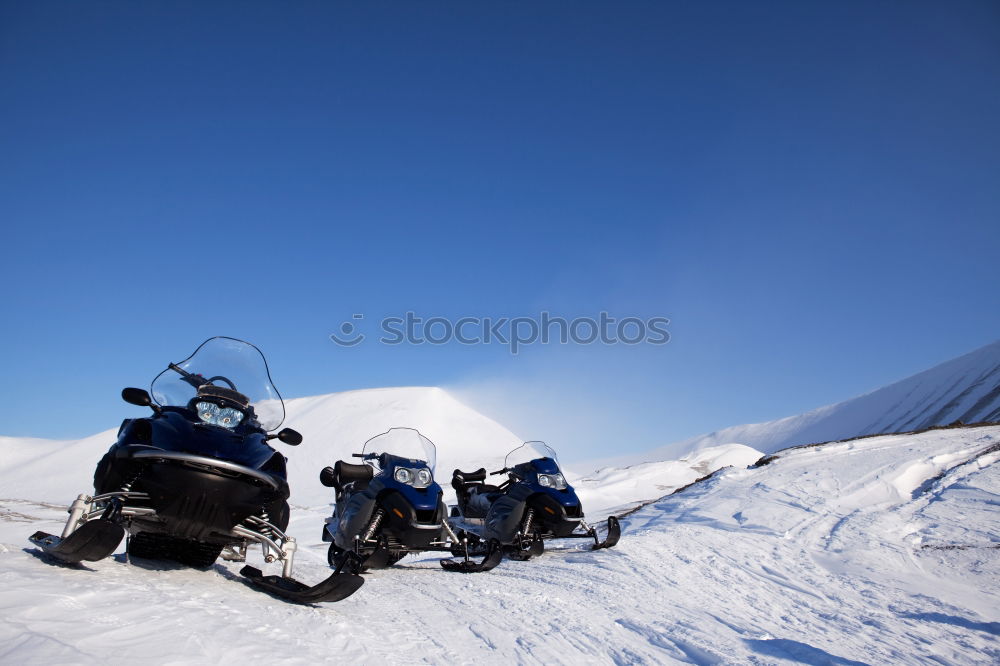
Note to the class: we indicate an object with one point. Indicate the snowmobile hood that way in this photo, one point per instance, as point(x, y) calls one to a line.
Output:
point(174, 430)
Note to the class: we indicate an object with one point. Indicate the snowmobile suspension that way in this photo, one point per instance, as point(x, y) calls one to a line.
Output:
point(79, 507)
point(447, 528)
point(526, 529)
point(285, 550)
point(109, 505)
point(376, 521)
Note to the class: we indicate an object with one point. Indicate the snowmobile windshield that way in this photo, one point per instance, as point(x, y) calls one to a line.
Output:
point(224, 363)
point(530, 451)
point(405, 443)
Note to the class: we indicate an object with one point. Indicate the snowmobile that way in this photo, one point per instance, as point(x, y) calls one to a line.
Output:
point(533, 505)
point(390, 505)
point(198, 480)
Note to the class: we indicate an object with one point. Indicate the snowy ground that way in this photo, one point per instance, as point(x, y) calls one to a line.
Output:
point(880, 550)
point(619, 489)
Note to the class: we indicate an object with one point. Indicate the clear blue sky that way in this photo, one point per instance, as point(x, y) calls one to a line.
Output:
point(810, 191)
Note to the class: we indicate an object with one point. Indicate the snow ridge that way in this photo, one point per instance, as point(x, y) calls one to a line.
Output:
point(965, 389)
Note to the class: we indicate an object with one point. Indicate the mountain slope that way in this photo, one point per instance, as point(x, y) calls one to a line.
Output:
point(965, 389)
point(337, 424)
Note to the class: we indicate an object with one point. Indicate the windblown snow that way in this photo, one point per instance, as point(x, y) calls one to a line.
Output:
point(878, 550)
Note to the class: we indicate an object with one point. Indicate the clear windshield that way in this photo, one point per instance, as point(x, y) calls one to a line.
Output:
point(228, 363)
point(527, 452)
point(405, 443)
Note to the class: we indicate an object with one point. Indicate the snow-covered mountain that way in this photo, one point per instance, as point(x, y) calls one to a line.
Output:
point(333, 426)
point(965, 389)
point(877, 551)
point(337, 424)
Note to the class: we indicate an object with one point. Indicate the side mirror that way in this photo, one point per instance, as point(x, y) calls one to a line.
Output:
point(288, 436)
point(139, 397)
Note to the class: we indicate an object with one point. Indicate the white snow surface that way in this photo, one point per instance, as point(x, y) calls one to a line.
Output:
point(878, 550)
point(616, 489)
point(966, 389)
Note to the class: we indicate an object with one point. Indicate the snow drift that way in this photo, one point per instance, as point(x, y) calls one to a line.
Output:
point(616, 489)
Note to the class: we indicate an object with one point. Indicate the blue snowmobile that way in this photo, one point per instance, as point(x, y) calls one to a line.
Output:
point(390, 506)
point(198, 480)
point(534, 504)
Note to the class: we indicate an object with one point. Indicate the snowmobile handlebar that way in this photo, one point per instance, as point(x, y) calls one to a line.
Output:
point(198, 380)
point(192, 379)
point(499, 471)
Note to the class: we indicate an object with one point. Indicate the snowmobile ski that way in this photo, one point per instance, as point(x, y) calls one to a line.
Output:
point(92, 541)
point(614, 534)
point(336, 587)
point(494, 554)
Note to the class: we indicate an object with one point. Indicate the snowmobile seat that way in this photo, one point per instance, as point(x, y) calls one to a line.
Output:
point(468, 484)
point(343, 473)
point(469, 477)
point(462, 481)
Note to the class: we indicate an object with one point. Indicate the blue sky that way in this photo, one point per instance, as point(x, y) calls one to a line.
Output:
point(809, 191)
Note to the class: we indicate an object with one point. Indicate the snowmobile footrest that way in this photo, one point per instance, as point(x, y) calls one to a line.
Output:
point(338, 586)
point(614, 534)
point(493, 557)
point(91, 542)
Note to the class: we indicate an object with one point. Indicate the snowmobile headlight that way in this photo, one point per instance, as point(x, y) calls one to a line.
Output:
point(207, 411)
point(424, 478)
point(403, 475)
point(555, 481)
point(211, 413)
point(229, 417)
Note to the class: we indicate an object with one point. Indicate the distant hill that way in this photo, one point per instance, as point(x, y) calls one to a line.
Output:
point(965, 389)
point(333, 426)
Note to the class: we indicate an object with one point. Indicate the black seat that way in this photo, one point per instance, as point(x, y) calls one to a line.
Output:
point(461, 481)
point(343, 473)
point(470, 477)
